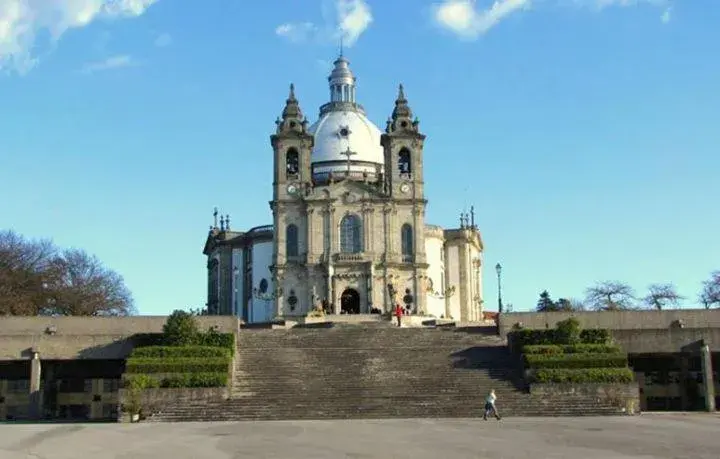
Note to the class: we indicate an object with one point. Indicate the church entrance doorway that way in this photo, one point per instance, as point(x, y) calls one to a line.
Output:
point(350, 302)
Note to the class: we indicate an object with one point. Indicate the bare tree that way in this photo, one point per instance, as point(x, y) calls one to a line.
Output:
point(84, 287)
point(662, 296)
point(35, 279)
point(710, 294)
point(576, 304)
point(610, 296)
point(23, 268)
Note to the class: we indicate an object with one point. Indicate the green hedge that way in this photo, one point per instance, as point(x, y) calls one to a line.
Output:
point(584, 375)
point(575, 361)
point(172, 352)
point(193, 380)
point(209, 339)
point(556, 349)
point(177, 365)
point(522, 338)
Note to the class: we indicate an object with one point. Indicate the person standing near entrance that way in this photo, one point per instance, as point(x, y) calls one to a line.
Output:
point(490, 405)
point(398, 314)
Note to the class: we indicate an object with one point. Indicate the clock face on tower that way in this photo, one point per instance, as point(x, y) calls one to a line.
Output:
point(404, 188)
point(292, 188)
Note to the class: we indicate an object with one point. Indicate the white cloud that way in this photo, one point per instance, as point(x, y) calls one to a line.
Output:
point(353, 18)
point(350, 20)
point(465, 19)
point(468, 20)
point(113, 62)
point(296, 32)
point(163, 40)
point(22, 20)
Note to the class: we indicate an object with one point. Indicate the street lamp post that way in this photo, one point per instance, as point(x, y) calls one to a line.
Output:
point(498, 269)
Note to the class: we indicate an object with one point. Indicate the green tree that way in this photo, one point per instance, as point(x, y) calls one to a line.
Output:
point(180, 329)
point(545, 302)
point(568, 331)
point(563, 304)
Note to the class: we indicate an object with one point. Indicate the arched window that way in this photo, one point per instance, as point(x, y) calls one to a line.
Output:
point(404, 164)
point(351, 234)
point(291, 240)
point(406, 243)
point(292, 163)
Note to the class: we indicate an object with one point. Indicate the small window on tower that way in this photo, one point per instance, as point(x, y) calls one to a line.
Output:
point(292, 163)
point(404, 161)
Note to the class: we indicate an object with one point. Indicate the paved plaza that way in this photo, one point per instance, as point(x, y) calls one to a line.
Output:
point(648, 436)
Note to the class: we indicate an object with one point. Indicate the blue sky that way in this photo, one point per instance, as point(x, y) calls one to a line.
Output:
point(583, 131)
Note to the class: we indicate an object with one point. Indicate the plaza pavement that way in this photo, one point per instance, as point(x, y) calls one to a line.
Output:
point(676, 436)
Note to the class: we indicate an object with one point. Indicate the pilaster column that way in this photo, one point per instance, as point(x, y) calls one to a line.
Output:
point(463, 281)
point(35, 378)
point(333, 295)
point(309, 249)
point(367, 229)
point(708, 382)
point(333, 229)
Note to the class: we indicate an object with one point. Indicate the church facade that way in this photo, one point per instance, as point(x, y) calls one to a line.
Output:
point(349, 233)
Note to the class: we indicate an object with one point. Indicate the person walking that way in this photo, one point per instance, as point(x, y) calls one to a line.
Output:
point(490, 405)
point(398, 314)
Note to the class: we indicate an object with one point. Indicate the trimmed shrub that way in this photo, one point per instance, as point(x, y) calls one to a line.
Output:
point(572, 349)
point(180, 329)
point(139, 382)
point(214, 339)
point(567, 331)
point(595, 336)
point(575, 361)
point(584, 376)
point(195, 380)
point(171, 352)
point(525, 337)
point(177, 365)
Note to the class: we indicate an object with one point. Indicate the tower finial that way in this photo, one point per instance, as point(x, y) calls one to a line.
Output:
point(472, 216)
point(341, 46)
point(292, 92)
point(215, 215)
point(401, 93)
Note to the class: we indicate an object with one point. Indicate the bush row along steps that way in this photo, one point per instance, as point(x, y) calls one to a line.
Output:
point(346, 373)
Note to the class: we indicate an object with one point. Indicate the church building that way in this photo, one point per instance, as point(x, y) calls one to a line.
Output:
point(348, 233)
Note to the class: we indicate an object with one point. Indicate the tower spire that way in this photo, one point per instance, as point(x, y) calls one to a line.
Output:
point(292, 107)
point(342, 80)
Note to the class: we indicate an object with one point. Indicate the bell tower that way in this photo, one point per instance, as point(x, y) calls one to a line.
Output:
point(402, 145)
point(292, 145)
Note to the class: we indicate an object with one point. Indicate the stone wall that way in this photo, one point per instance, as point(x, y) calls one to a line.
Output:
point(669, 340)
point(58, 338)
point(613, 320)
point(625, 396)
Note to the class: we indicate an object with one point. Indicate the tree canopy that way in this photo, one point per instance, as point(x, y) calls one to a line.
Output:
point(38, 278)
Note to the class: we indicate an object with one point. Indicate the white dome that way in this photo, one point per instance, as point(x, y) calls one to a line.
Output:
point(339, 132)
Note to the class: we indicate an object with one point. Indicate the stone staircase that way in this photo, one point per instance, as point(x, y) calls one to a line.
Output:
point(340, 371)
